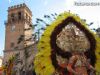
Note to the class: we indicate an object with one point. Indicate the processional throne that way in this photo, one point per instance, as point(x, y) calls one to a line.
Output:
point(60, 39)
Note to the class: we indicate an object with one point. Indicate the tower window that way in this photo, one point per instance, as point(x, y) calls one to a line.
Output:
point(26, 16)
point(19, 15)
point(13, 17)
point(12, 44)
point(29, 19)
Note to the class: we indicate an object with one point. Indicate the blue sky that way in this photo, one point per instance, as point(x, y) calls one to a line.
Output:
point(41, 7)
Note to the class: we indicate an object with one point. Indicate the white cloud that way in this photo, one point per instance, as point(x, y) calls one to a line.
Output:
point(9, 1)
point(45, 2)
point(69, 3)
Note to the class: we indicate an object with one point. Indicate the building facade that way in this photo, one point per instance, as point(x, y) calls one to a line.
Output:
point(1, 69)
point(19, 45)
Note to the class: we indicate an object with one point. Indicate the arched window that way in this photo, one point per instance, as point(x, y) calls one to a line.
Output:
point(13, 17)
point(19, 15)
point(12, 44)
point(26, 16)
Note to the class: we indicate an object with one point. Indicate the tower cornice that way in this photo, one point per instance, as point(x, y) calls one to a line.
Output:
point(20, 6)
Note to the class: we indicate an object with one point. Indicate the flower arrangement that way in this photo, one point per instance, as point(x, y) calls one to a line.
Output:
point(46, 60)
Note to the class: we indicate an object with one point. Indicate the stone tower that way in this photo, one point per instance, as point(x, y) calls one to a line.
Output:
point(18, 29)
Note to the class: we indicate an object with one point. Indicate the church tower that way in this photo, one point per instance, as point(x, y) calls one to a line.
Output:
point(18, 31)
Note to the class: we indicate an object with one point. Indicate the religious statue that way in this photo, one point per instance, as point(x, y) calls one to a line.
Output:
point(79, 65)
point(67, 47)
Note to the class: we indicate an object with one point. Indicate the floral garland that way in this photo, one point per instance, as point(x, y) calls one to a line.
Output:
point(55, 49)
point(45, 61)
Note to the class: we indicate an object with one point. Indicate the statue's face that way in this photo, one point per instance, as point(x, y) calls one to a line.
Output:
point(71, 38)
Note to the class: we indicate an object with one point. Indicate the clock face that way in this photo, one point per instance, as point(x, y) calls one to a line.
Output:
point(13, 28)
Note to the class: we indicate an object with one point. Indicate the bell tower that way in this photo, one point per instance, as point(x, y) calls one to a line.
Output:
point(19, 24)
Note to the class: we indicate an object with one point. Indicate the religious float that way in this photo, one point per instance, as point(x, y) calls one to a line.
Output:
point(58, 42)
